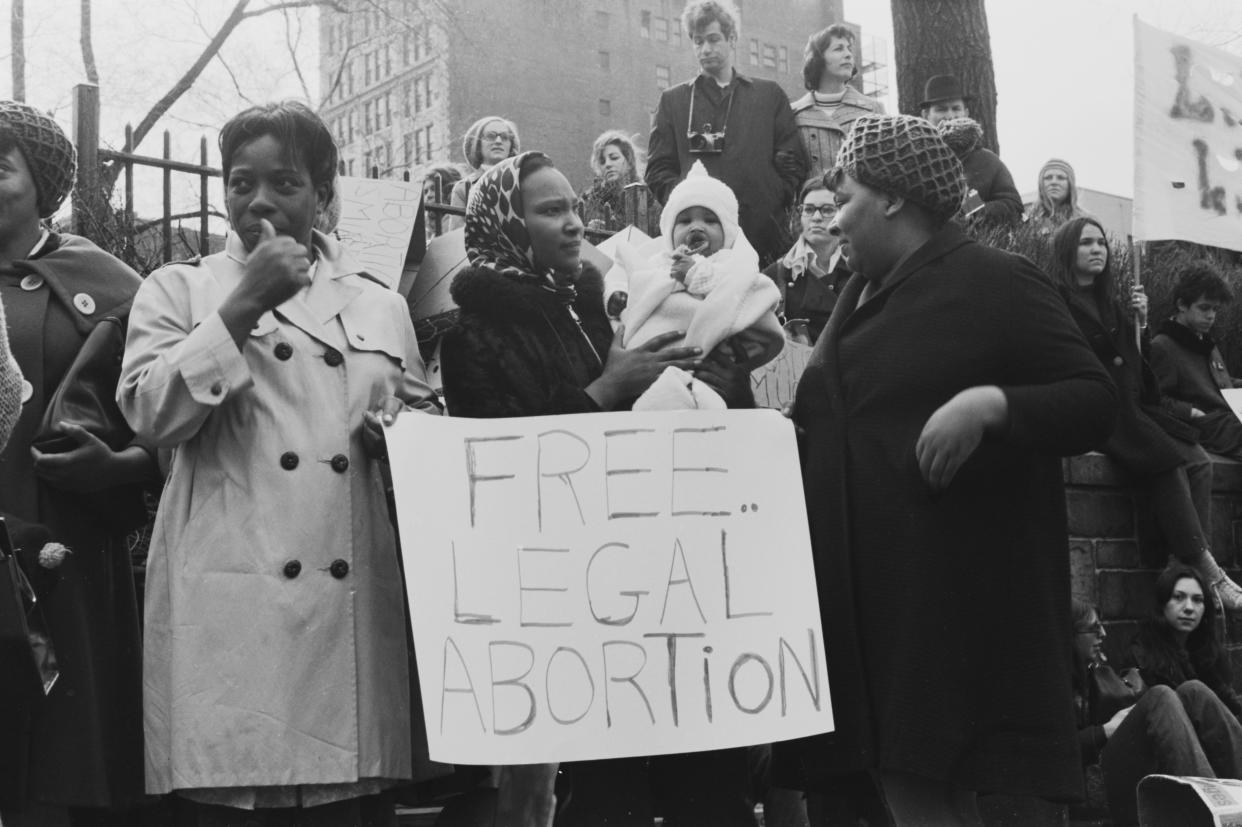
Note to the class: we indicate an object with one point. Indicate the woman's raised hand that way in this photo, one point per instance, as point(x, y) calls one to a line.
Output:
point(627, 373)
point(276, 269)
point(1138, 304)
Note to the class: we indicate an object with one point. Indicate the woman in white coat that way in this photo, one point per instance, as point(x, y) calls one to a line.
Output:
point(275, 654)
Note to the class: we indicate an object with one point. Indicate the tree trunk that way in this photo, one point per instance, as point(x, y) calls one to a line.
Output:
point(17, 39)
point(84, 39)
point(945, 37)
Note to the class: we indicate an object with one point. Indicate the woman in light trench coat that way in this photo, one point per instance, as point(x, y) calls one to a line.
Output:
point(275, 655)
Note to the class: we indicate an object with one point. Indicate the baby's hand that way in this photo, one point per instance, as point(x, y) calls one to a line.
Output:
point(683, 260)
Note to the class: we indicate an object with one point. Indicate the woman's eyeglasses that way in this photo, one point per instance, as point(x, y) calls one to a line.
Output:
point(489, 137)
point(1096, 629)
point(826, 210)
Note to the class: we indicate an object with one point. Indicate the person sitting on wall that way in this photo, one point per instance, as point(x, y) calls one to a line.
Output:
point(487, 142)
point(991, 196)
point(1128, 728)
point(1188, 365)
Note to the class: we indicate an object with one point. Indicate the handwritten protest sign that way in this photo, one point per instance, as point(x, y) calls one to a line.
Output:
point(604, 585)
point(377, 219)
point(1187, 140)
point(775, 383)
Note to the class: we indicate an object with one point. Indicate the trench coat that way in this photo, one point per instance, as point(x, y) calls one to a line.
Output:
point(946, 614)
point(275, 649)
point(823, 132)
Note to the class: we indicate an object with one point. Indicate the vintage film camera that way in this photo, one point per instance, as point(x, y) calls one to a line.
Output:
point(706, 142)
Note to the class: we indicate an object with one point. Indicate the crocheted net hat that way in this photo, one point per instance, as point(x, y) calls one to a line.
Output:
point(48, 152)
point(700, 189)
point(906, 156)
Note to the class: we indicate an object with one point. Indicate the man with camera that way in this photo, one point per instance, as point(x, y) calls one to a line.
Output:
point(741, 128)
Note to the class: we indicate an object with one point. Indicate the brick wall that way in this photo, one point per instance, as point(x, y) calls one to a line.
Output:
point(1116, 549)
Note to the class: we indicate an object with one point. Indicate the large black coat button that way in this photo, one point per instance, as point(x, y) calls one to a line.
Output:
point(338, 569)
point(288, 460)
point(340, 463)
point(292, 569)
point(333, 357)
point(283, 351)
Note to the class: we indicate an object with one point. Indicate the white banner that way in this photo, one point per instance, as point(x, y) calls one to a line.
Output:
point(1187, 140)
point(377, 220)
point(604, 585)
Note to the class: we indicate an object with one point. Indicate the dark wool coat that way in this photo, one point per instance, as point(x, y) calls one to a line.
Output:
point(763, 161)
point(987, 175)
point(1191, 374)
point(86, 739)
point(516, 349)
point(1146, 437)
point(946, 615)
point(1164, 661)
point(810, 297)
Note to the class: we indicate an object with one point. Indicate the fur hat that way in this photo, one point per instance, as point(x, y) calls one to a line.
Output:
point(700, 189)
point(961, 134)
point(48, 152)
point(906, 156)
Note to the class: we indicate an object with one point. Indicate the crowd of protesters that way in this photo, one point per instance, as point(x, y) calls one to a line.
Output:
point(269, 680)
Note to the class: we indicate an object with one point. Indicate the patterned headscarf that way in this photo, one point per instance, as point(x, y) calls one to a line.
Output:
point(496, 235)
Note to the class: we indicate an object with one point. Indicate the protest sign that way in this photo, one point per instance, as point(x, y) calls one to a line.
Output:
point(1184, 801)
point(775, 383)
point(1187, 140)
point(603, 585)
point(377, 220)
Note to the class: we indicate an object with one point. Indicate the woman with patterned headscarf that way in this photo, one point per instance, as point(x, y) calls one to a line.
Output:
point(84, 747)
point(532, 339)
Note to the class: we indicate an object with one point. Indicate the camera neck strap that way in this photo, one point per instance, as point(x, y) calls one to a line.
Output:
point(690, 115)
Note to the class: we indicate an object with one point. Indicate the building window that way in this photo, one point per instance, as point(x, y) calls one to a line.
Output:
point(661, 29)
point(605, 107)
point(366, 70)
point(418, 146)
point(605, 61)
point(388, 109)
point(407, 145)
point(754, 52)
point(677, 31)
point(366, 164)
point(782, 60)
point(352, 125)
point(366, 118)
point(405, 51)
point(350, 167)
point(769, 55)
point(388, 61)
point(427, 140)
point(602, 19)
point(407, 106)
point(644, 26)
point(427, 91)
point(663, 78)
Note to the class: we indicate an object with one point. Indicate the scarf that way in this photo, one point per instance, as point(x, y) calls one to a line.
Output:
point(496, 236)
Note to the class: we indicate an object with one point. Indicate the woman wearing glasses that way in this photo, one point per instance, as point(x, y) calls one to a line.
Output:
point(1184, 724)
point(488, 141)
point(812, 273)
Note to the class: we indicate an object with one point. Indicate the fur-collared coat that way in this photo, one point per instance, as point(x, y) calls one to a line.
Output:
point(517, 349)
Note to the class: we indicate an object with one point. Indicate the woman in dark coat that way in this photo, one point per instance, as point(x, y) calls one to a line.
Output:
point(86, 737)
point(945, 387)
point(532, 339)
point(1149, 441)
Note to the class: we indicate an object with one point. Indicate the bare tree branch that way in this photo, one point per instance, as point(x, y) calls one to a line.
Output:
point(233, 77)
point(17, 37)
point(291, 43)
point(84, 39)
point(336, 79)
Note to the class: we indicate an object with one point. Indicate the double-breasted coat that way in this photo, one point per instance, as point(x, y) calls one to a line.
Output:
point(275, 649)
point(946, 614)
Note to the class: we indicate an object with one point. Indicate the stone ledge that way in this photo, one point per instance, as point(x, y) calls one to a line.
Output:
point(1096, 470)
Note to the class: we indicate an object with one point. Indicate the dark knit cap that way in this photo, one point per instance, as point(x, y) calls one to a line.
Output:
point(905, 156)
point(47, 150)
